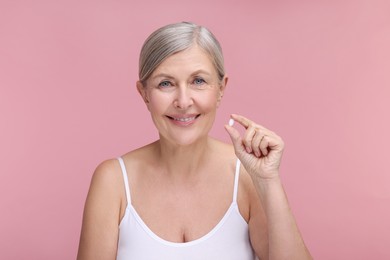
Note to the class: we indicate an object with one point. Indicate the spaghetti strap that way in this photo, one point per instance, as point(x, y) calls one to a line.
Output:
point(236, 177)
point(125, 179)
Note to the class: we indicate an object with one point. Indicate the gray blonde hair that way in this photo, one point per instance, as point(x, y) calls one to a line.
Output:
point(174, 38)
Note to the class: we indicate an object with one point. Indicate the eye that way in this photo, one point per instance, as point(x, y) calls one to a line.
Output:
point(164, 84)
point(199, 81)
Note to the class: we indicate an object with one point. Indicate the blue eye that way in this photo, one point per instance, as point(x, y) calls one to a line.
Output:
point(199, 81)
point(164, 84)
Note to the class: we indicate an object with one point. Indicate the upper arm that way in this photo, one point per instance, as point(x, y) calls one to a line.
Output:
point(99, 233)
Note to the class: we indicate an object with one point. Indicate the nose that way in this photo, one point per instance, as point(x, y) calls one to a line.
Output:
point(183, 99)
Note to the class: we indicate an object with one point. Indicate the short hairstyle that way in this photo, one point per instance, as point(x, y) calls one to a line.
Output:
point(174, 38)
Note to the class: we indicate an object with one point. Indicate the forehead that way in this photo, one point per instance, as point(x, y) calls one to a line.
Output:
point(186, 62)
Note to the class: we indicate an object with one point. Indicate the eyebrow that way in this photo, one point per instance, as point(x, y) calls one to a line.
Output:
point(200, 72)
point(164, 75)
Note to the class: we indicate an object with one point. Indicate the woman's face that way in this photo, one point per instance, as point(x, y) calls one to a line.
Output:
point(182, 95)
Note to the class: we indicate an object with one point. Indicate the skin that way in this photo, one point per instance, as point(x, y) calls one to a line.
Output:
point(191, 168)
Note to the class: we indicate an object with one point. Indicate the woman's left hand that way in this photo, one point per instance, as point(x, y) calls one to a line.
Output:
point(259, 150)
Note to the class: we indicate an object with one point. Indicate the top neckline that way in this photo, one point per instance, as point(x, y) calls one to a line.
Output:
point(130, 209)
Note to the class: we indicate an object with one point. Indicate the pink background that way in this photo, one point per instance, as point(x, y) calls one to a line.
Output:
point(316, 72)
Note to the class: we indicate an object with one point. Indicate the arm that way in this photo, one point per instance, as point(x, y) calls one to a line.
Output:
point(284, 238)
point(99, 233)
point(260, 151)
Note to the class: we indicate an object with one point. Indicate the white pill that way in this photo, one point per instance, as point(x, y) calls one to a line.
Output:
point(231, 122)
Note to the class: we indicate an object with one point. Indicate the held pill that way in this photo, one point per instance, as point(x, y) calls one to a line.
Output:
point(231, 122)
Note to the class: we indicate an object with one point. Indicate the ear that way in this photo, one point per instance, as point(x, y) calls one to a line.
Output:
point(222, 88)
point(142, 91)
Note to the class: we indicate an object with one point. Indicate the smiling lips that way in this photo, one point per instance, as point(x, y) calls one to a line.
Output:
point(183, 120)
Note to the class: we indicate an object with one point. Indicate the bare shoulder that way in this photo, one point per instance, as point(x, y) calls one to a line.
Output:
point(101, 213)
point(246, 192)
point(107, 175)
point(106, 169)
point(142, 155)
point(224, 151)
point(106, 190)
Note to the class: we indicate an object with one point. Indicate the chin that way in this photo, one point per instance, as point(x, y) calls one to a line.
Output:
point(185, 135)
point(184, 138)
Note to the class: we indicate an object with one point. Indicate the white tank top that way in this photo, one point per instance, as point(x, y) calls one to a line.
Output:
point(229, 239)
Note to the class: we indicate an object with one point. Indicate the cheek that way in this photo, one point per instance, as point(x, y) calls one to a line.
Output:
point(158, 102)
point(208, 102)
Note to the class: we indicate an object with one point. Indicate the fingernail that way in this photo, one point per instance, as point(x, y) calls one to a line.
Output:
point(257, 154)
point(248, 149)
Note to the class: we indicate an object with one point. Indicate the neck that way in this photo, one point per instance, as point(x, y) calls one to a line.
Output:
point(180, 161)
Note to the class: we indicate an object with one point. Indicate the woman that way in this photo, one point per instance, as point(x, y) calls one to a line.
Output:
point(185, 196)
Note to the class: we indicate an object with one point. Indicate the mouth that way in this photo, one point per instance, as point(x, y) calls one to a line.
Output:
point(183, 119)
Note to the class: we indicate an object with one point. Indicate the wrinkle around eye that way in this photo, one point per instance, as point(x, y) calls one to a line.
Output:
point(200, 81)
point(165, 84)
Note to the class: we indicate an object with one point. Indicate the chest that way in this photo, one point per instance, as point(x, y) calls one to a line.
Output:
point(228, 240)
point(182, 214)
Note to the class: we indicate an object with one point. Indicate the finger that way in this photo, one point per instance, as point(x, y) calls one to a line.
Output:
point(245, 122)
point(236, 138)
point(256, 143)
point(273, 141)
point(264, 145)
point(248, 138)
point(275, 144)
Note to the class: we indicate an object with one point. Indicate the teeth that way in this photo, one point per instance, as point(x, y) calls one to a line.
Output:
point(184, 119)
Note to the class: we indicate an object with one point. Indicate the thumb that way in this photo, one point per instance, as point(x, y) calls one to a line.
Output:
point(236, 138)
